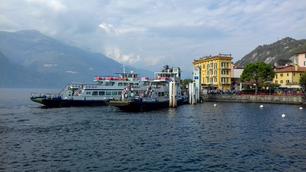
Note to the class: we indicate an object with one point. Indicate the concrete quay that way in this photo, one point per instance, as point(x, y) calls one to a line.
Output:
point(275, 99)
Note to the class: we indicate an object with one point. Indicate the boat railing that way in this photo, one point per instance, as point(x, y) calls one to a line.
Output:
point(45, 95)
point(78, 86)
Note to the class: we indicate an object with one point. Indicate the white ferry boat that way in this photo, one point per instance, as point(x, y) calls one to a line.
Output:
point(153, 95)
point(98, 94)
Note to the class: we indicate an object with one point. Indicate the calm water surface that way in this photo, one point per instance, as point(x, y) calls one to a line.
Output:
point(228, 137)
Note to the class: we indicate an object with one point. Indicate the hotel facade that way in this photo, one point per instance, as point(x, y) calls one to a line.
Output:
point(216, 71)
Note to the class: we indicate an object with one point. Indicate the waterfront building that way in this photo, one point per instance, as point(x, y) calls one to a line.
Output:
point(299, 59)
point(288, 76)
point(215, 71)
point(196, 90)
point(235, 78)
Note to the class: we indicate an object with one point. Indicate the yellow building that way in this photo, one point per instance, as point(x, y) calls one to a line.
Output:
point(289, 76)
point(215, 71)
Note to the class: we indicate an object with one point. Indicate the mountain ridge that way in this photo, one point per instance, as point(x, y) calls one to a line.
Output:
point(277, 53)
point(46, 57)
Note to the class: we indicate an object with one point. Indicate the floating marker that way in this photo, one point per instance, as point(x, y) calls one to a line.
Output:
point(261, 106)
point(283, 115)
point(215, 105)
point(301, 108)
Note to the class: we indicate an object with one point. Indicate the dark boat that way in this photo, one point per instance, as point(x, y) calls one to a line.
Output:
point(139, 104)
point(58, 101)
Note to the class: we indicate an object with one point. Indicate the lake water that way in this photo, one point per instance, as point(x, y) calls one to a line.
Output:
point(228, 137)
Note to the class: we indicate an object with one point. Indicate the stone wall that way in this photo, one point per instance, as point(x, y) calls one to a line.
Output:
point(254, 99)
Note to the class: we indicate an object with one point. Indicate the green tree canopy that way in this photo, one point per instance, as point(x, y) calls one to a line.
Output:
point(258, 74)
point(303, 82)
point(185, 82)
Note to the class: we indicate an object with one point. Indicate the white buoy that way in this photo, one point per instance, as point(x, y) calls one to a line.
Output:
point(283, 115)
point(301, 108)
point(261, 106)
point(215, 105)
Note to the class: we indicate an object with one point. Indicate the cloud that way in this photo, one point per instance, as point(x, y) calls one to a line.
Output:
point(6, 23)
point(110, 29)
point(54, 5)
point(116, 54)
point(107, 28)
point(149, 33)
point(152, 61)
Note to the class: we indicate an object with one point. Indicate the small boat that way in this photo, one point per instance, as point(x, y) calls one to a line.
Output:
point(98, 94)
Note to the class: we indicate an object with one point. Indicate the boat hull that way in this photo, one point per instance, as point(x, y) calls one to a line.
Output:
point(139, 105)
point(58, 102)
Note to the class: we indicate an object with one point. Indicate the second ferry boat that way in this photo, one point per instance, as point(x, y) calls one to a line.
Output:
point(155, 94)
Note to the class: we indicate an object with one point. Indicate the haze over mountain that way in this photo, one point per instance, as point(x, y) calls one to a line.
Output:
point(277, 53)
point(31, 59)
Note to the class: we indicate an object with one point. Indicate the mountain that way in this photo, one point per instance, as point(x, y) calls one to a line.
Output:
point(42, 59)
point(277, 53)
point(12, 75)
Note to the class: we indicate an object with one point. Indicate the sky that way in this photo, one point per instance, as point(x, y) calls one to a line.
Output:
point(151, 33)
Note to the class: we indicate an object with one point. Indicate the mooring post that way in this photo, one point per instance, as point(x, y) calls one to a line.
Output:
point(192, 93)
point(172, 94)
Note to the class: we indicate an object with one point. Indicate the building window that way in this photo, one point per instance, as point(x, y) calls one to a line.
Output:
point(281, 75)
point(88, 93)
point(95, 93)
point(287, 74)
point(287, 81)
point(281, 81)
point(101, 93)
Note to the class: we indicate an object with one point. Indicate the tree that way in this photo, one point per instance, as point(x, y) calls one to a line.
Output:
point(185, 82)
point(257, 74)
point(303, 82)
